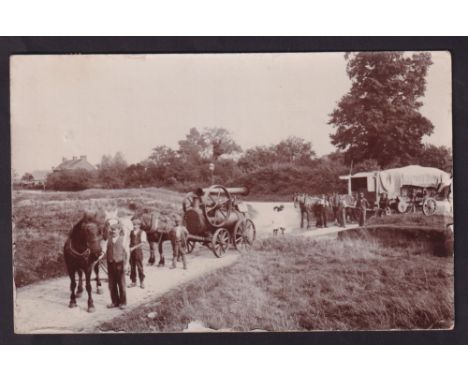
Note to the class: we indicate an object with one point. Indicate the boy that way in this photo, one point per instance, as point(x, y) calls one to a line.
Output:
point(137, 240)
point(116, 255)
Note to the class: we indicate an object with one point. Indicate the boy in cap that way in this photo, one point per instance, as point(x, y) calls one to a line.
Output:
point(137, 240)
point(116, 255)
point(179, 243)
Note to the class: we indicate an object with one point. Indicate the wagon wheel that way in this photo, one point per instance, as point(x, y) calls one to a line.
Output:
point(403, 206)
point(244, 235)
point(220, 241)
point(429, 206)
point(218, 206)
point(190, 246)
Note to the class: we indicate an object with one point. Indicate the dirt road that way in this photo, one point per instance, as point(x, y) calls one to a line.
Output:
point(43, 307)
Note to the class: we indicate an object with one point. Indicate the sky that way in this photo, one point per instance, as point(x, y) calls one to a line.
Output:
point(72, 105)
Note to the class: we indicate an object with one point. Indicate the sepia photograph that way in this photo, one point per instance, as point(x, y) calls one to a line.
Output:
point(240, 192)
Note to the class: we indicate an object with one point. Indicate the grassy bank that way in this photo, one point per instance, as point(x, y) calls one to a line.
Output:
point(300, 284)
point(412, 219)
point(43, 220)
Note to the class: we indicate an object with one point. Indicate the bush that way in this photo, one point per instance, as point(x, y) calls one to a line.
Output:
point(70, 180)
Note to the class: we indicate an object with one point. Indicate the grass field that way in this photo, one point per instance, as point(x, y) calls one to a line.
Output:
point(42, 221)
point(298, 284)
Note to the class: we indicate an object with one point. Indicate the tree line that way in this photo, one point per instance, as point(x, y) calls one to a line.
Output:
point(377, 125)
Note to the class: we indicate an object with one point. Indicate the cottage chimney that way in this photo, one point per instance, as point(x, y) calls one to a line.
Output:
point(83, 157)
point(64, 159)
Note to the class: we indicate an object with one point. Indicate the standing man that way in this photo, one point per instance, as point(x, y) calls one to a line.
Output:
point(116, 256)
point(323, 211)
point(341, 212)
point(362, 205)
point(137, 239)
point(179, 236)
point(336, 206)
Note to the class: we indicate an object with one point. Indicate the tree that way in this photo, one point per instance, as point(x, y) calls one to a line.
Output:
point(259, 156)
point(70, 180)
point(436, 156)
point(111, 170)
point(27, 177)
point(219, 142)
point(294, 150)
point(163, 156)
point(193, 147)
point(379, 117)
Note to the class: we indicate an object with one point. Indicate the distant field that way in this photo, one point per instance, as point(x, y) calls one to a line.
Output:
point(297, 284)
point(43, 219)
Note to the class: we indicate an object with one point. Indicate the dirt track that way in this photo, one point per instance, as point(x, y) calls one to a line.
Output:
point(43, 307)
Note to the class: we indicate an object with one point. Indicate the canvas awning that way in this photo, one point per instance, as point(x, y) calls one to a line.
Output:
point(390, 181)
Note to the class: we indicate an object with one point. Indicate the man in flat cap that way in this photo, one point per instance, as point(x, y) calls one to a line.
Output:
point(137, 240)
point(116, 255)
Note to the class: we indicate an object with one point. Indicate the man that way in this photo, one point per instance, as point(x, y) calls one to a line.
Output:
point(335, 207)
point(323, 210)
point(362, 205)
point(383, 204)
point(341, 212)
point(137, 239)
point(179, 243)
point(116, 256)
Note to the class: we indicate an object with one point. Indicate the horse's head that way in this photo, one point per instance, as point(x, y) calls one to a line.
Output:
point(87, 234)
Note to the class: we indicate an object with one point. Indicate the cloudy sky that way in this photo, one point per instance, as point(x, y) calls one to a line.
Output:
point(73, 105)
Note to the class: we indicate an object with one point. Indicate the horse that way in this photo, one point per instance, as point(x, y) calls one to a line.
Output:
point(151, 224)
point(82, 252)
point(307, 204)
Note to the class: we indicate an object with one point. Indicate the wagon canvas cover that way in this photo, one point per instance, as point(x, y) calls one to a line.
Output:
point(390, 181)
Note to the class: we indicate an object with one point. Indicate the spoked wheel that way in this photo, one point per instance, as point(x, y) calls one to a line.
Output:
point(244, 235)
point(403, 207)
point(429, 206)
point(190, 246)
point(220, 242)
point(218, 205)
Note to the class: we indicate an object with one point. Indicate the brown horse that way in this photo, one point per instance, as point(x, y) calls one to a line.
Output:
point(82, 251)
point(306, 205)
point(150, 223)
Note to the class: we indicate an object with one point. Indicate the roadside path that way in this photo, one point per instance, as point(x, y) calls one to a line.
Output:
point(43, 307)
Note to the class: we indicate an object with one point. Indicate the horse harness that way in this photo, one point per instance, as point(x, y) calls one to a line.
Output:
point(85, 254)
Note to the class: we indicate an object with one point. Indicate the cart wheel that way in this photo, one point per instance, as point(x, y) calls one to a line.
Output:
point(218, 206)
point(220, 241)
point(403, 207)
point(190, 246)
point(429, 206)
point(244, 235)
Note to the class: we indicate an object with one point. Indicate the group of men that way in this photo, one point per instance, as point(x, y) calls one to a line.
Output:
point(117, 258)
point(341, 210)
